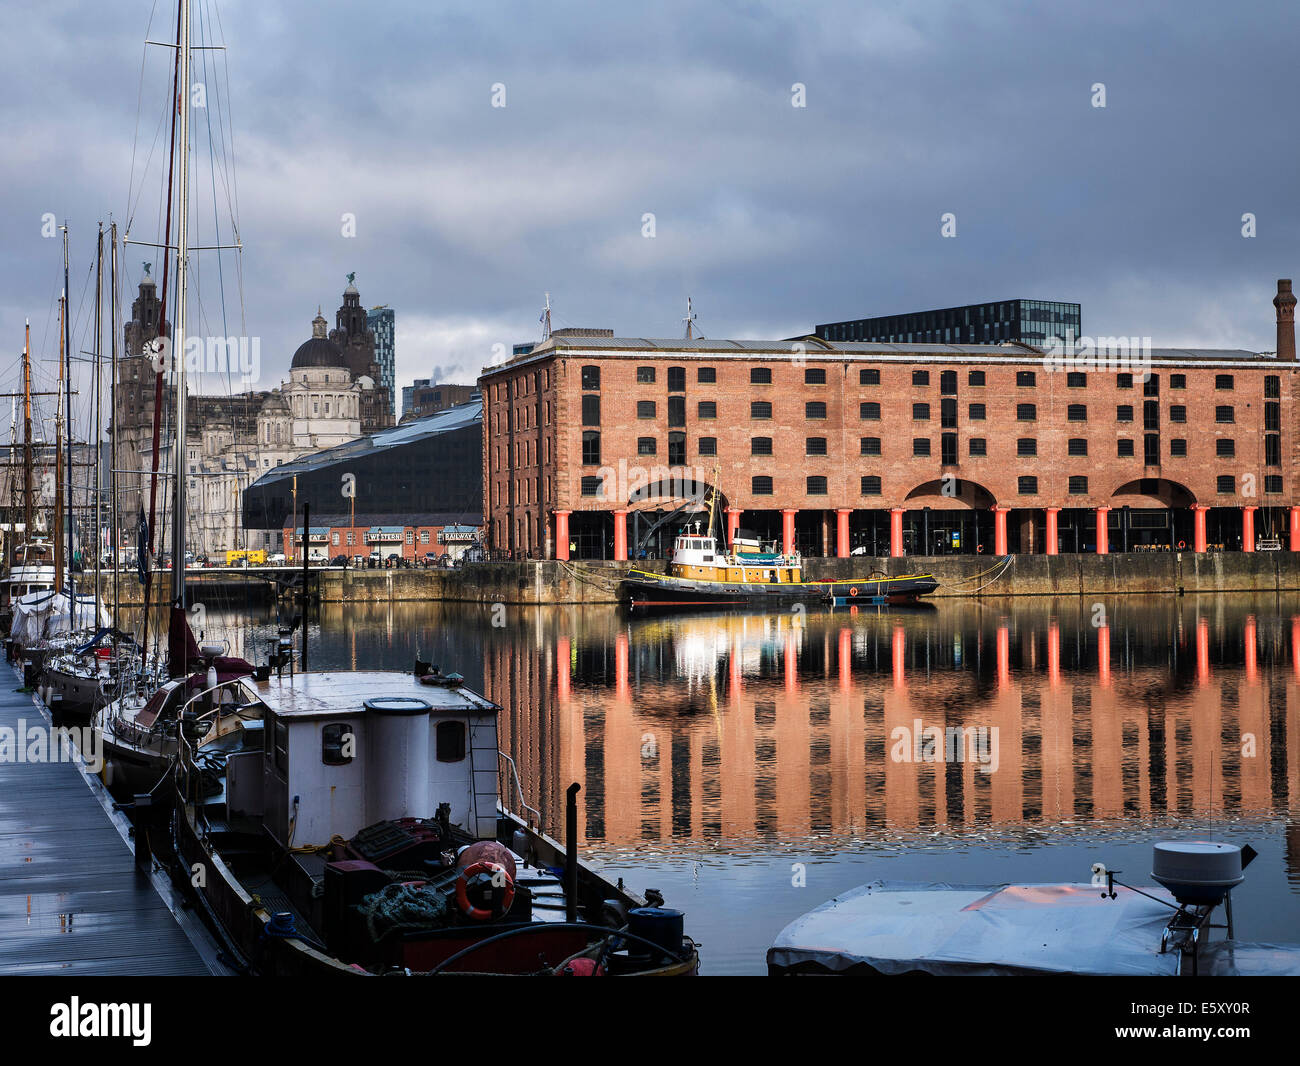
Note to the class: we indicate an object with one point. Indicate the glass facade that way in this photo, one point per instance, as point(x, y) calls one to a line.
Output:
point(381, 321)
point(1028, 321)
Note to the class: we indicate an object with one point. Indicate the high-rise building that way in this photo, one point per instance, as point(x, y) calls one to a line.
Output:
point(1028, 321)
point(381, 322)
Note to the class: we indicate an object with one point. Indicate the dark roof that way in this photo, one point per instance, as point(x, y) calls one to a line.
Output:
point(369, 519)
point(318, 351)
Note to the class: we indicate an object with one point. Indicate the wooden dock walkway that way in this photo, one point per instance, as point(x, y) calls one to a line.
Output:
point(71, 898)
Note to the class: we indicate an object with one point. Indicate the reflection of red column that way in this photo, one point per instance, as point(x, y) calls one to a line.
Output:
point(1052, 537)
point(999, 531)
point(1004, 657)
point(791, 664)
point(846, 659)
point(621, 688)
point(1252, 666)
point(1248, 529)
point(562, 534)
point(1295, 645)
point(787, 530)
point(733, 524)
point(842, 532)
point(1295, 529)
point(898, 648)
point(1202, 651)
point(620, 535)
point(1198, 527)
point(1053, 654)
point(1103, 531)
point(1103, 655)
point(896, 532)
point(733, 676)
point(563, 669)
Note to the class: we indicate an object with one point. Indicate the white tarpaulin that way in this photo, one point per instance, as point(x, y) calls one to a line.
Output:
point(42, 615)
point(896, 928)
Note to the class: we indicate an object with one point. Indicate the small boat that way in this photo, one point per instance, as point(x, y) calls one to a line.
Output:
point(1103, 928)
point(702, 574)
point(355, 827)
point(30, 569)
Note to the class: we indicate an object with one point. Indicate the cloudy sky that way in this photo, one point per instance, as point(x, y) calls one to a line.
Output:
point(772, 217)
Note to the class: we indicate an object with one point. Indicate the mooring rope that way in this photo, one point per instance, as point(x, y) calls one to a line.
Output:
point(1001, 568)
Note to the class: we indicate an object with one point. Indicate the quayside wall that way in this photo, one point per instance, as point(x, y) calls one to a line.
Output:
point(551, 581)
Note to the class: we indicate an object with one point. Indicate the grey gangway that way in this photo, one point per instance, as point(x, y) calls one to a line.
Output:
point(72, 900)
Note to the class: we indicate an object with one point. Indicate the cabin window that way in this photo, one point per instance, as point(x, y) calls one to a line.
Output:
point(280, 746)
point(450, 737)
point(337, 744)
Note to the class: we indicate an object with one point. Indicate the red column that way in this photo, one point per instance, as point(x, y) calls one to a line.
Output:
point(620, 535)
point(1295, 529)
point(1248, 529)
point(999, 531)
point(1052, 537)
point(1198, 526)
point(733, 524)
point(842, 532)
point(787, 530)
point(562, 534)
point(1103, 531)
point(896, 532)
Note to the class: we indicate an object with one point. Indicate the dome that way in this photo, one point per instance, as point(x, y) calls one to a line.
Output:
point(318, 352)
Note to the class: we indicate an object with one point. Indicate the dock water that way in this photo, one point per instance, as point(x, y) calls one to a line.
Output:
point(72, 900)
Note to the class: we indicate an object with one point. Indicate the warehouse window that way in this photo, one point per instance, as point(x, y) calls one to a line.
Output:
point(591, 377)
point(1225, 484)
point(1178, 413)
point(676, 449)
point(871, 485)
point(707, 409)
point(947, 383)
point(591, 486)
point(1125, 449)
point(1026, 379)
point(1178, 447)
point(920, 412)
point(1272, 450)
point(1027, 485)
point(1272, 483)
point(1078, 446)
point(645, 375)
point(760, 486)
point(814, 377)
point(978, 446)
point(1223, 381)
point(814, 409)
point(708, 445)
point(920, 445)
point(1224, 414)
point(706, 375)
point(868, 377)
point(1076, 380)
point(1225, 448)
point(760, 409)
point(1178, 381)
point(646, 409)
point(677, 379)
point(1123, 381)
point(760, 375)
point(869, 412)
point(817, 486)
point(870, 446)
point(1076, 412)
point(1078, 485)
point(1026, 412)
point(760, 446)
point(647, 446)
point(1027, 446)
point(591, 410)
point(977, 412)
point(677, 410)
point(975, 379)
point(1272, 386)
point(815, 446)
point(920, 377)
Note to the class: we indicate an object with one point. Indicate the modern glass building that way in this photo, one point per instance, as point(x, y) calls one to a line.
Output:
point(1028, 321)
point(381, 321)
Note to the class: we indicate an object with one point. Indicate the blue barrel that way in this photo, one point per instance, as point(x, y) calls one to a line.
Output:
point(660, 925)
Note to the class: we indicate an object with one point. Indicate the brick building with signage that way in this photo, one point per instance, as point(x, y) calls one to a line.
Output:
point(413, 538)
point(603, 447)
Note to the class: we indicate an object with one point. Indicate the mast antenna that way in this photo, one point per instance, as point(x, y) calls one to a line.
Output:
point(689, 319)
point(546, 319)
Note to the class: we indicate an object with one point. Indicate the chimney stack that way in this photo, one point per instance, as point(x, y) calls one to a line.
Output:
point(1284, 301)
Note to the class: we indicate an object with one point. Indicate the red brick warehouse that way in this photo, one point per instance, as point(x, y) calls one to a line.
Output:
point(834, 447)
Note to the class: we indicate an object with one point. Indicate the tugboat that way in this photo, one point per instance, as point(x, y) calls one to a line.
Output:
point(702, 574)
point(353, 826)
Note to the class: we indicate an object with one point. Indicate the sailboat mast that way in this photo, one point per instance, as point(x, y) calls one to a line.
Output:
point(58, 463)
point(67, 407)
point(180, 467)
point(113, 420)
point(27, 430)
point(99, 413)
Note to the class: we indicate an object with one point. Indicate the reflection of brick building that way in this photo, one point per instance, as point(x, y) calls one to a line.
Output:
point(753, 727)
point(835, 446)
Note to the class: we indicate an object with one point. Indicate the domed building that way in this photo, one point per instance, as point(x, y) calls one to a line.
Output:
point(324, 399)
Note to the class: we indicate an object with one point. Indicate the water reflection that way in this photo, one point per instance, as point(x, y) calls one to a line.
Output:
point(733, 729)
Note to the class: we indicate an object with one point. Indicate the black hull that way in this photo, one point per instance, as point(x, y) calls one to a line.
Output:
point(663, 591)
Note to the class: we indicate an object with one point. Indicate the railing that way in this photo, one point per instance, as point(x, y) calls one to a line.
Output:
point(519, 789)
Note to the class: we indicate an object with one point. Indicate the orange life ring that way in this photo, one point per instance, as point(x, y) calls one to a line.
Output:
point(1182, 544)
point(979, 549)
point(853, 591)
point(481, 914)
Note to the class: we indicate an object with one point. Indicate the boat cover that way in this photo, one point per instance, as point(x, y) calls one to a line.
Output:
point(901, 927)
point(41, 615)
